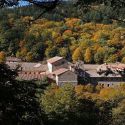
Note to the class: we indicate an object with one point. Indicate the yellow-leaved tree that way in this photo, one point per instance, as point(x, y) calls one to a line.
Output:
point(2, 57)
point(123, 60)
point(77, 55)
point(88, 55)
point(109, 93)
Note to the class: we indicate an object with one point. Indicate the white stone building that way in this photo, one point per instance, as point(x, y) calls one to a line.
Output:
point(59, 71)
point(56, 63)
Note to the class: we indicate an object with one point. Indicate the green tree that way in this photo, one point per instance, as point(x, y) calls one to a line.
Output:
point(99, 56)
point(113, 58)
point(51, 51)
point(62, 106)
point(58, 102)
point(64, 52)
point(29, 57)
point(119, 113)
point(18, 104)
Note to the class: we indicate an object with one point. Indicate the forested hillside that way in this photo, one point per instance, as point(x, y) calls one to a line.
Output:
point(91, 36)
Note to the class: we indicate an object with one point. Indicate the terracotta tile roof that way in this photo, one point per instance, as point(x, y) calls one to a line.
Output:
point(60, 71)
point(54, 59)
point(23, 76)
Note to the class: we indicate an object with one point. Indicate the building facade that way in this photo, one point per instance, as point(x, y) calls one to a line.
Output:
point(61, 72)
point(56, 63)
point(109, 76)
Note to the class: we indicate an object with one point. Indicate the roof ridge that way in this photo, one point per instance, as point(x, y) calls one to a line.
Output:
point(60, 71)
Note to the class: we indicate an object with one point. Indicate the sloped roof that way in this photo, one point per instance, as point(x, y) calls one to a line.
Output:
point(54, 59)
point(112, 65)
point(23, 76)
point(60, 71)
point(27, 66)
point(92, 69)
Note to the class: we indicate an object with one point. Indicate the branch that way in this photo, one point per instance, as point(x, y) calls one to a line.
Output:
point(47, 6)
point(39, 3)
point(31, 21)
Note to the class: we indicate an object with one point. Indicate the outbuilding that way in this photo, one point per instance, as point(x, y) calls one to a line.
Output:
point(63, 76)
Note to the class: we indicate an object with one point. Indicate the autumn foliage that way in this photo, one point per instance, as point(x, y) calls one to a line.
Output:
point(64, 34)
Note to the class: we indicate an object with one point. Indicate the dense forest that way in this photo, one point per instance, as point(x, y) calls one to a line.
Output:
point(83, 104)
point(89, 36)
